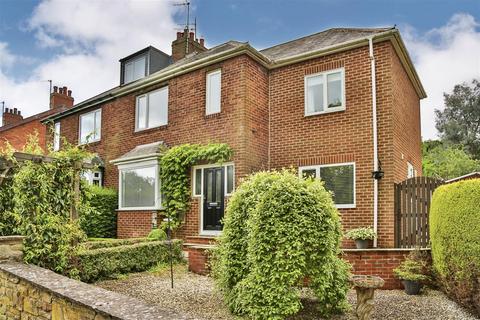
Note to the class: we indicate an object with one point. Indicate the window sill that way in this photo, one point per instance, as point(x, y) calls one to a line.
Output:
point(346, 206)
point(146, 130)
point(90, 143)
point(211, 233)
point(213, 115)
point(324, 112)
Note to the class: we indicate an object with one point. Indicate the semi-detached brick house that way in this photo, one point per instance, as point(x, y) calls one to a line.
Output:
point(308, 103)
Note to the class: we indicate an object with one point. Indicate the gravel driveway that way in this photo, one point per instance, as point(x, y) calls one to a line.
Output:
point(195, 295)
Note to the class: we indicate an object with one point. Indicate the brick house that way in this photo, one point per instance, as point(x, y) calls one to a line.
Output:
point(15, 129)
point(327, 104)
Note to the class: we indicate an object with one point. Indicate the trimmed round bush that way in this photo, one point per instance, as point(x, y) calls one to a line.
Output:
point(278, 231)
point(157, 234)
point(455, 238)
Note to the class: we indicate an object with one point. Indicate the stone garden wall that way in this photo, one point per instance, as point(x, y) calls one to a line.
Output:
point(28, 292)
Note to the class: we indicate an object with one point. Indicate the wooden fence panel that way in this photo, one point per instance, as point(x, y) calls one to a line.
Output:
point(412, 205)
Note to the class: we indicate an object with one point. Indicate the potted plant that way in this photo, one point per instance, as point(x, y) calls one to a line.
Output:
point(362, 236)
point(412, 274)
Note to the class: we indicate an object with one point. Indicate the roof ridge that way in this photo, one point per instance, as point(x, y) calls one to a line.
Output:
point(330, 29)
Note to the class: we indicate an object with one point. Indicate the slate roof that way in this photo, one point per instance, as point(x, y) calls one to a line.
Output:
point(319, 41)
point(154, 149)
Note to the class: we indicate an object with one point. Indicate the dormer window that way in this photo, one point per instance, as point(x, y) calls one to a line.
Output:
point(135, 69)
point(142, 64)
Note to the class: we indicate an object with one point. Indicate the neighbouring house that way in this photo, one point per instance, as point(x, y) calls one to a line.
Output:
point(342, 105)
point(16, 129)
point(469, 176)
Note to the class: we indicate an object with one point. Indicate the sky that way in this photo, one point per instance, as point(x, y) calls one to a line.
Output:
point(78, 43)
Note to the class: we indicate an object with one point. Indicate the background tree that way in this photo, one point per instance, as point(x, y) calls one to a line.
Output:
point(459, 122)
point(446, 161)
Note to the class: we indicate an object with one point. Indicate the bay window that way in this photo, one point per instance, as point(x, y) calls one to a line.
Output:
point(139, 186)
point(325, 92)
point(338, 179)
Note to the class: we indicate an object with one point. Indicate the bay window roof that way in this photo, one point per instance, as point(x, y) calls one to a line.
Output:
point(142, 152)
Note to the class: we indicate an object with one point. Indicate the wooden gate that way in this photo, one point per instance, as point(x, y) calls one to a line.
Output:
point(412, 205)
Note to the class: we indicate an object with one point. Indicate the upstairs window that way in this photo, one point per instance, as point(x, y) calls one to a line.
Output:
point(213, 92)
point(90, 126)
point(135, 69)
point(152, 109)
point(56, 136)
point(325, 92)
point(338, 178)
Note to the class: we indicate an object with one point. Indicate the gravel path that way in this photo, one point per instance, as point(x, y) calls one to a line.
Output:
point(195, 295)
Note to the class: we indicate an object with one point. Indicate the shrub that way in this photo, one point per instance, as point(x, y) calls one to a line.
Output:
point(454, 233)
point(157, 234)
point(97, 243)
point(106, 263)
point(411, 270)
point(279, 229)
point(361, 234)
point(100, 220)
point(8, 219)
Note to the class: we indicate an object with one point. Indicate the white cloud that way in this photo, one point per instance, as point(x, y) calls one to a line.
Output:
point(90, 37)
point(444, 57)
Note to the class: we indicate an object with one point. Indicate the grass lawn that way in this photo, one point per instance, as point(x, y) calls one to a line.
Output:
point(195, 295)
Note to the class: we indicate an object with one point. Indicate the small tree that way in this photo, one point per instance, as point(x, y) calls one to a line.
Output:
point(459, 122)
point(278, 230)
point(446, 162)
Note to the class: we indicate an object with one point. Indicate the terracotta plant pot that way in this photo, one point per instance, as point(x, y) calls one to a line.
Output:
point(362, 244)
point(412, 287)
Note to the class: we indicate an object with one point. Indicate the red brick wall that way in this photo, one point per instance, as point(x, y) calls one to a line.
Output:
point(134, 224)
point(263, 120)
point(17, 136)
point(344, 136)
point(377, 263)
point(187, 123)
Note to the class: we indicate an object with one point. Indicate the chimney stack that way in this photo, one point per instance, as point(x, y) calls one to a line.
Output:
point(186, 44)
point(61, 97)
point(11, 116)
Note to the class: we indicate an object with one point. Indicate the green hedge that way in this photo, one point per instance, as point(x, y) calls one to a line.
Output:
point(105, 263)
point(455, 238)
point(100, 221)
point(97, 243)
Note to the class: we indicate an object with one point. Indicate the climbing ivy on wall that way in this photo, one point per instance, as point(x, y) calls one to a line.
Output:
point(175, 166)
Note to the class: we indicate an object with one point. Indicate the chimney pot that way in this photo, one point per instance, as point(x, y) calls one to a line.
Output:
point(64, 90)
point(55, 89)
point(179, 35)
point(14, 110)
point(202, 42)
point(6, 110)
point(69, 93)
point(19, 112)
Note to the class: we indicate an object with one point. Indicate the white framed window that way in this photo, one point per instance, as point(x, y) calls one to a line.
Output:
point(93, 177)
point(339, 179)
point(90, 126)
point(139, 186)
point(197, 178)
point(325, 92)
point(410, 170)
point(152, 109)
point(213, 92)
point(135, 69)
point(56, 136)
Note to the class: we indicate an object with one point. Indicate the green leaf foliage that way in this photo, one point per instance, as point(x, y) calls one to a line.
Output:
point(278, 230)
point(97, 243)
point(157, 234)
point(455, 238)
point(40, 207)
point(105, 263)
point(361, 234)
point(175, 165)
point(444, 161)
point(9, 221)
point(99, 220)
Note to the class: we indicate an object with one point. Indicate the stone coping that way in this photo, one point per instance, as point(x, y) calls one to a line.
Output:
point(109, 303)
point(11, 238)
point(384, 249)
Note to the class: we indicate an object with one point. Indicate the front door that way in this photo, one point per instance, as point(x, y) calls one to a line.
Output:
point(213, 198)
